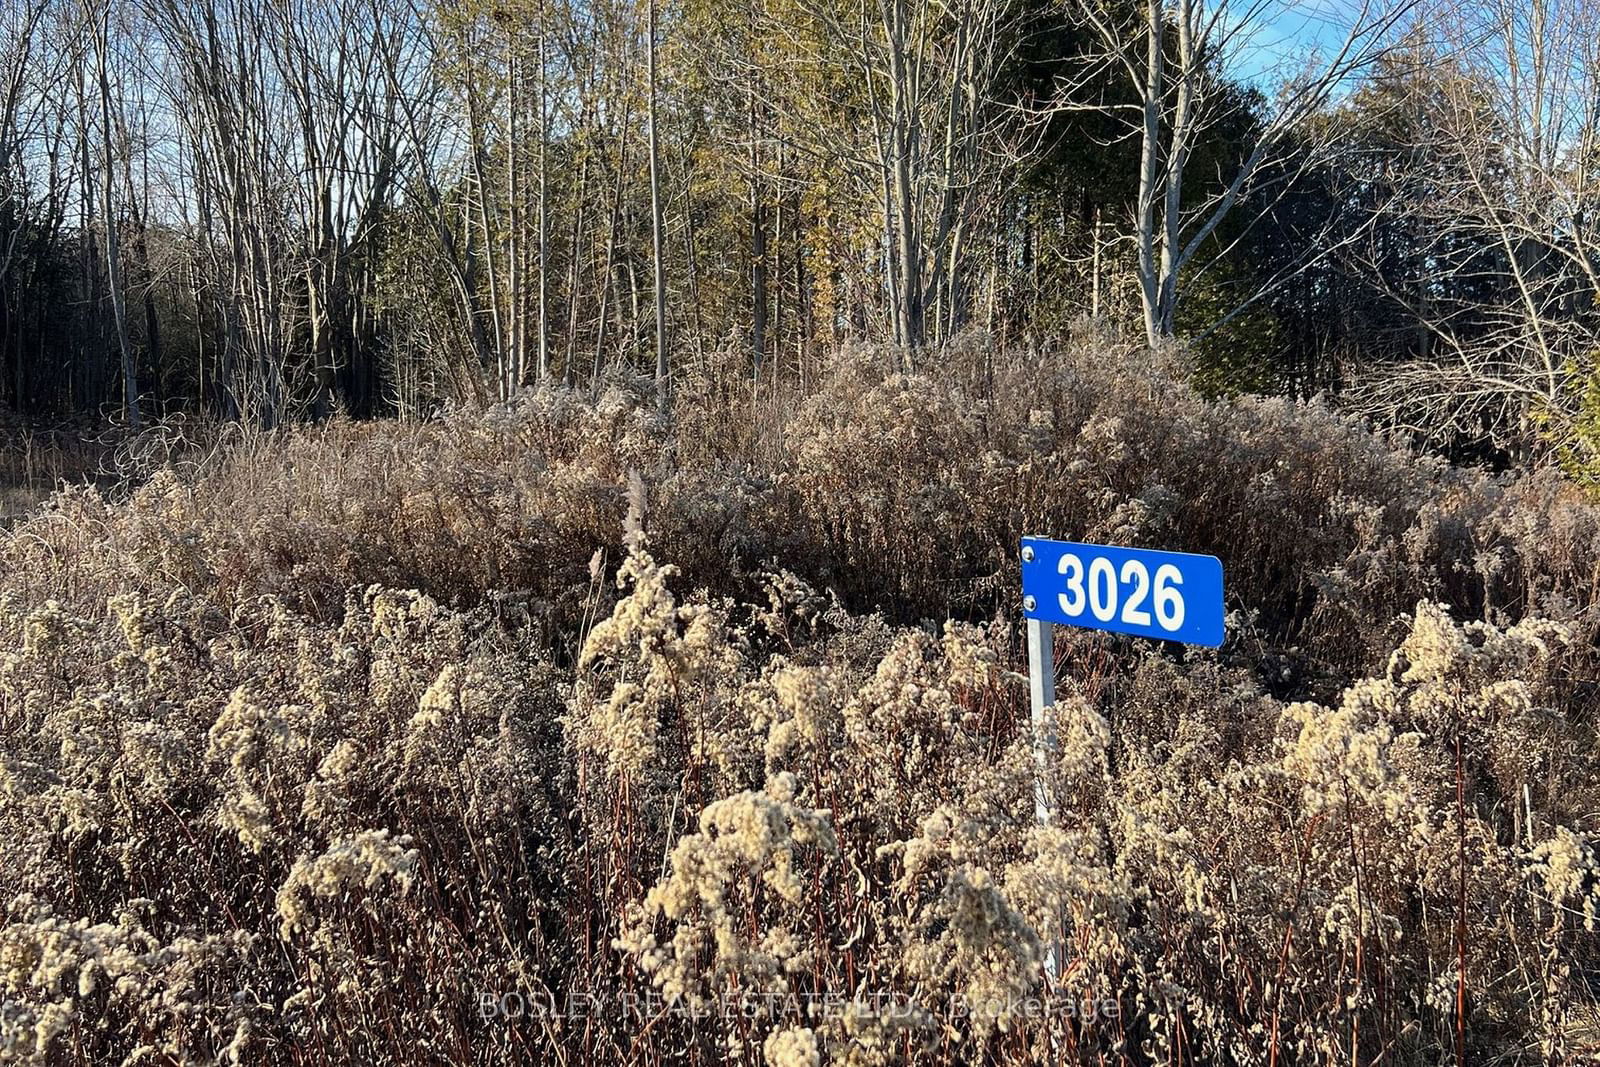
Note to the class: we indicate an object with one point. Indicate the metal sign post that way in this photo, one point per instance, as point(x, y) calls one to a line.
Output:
point(1041, 686)
point(1172, 596)
point(1041, 695)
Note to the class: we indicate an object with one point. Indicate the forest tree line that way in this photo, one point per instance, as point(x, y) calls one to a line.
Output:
point(271, 210)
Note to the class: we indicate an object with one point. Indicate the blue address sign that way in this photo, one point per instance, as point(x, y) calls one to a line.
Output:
point(1174, 596)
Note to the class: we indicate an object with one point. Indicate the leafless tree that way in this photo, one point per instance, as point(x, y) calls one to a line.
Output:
point(97, 21)
point(1171, 58)
point(942, 131)
point(657, 220)
point(21, 113)
point(1514, 199)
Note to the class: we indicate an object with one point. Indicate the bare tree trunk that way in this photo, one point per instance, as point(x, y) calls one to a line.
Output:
point(904, 138)
point(575, 274)
point(1149, 168)
point(1180, 141)
point(663, 384)
point(544, 194)
point(512, 359)
point(89, 252)
point(804, 302)
point(1094, 276)
point(779, 269)
point(477, 150)
point(691, 262)
point(608, 259)
point(130, 383)
point(758, 244)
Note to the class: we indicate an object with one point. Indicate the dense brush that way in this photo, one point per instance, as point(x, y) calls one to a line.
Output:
point(562, 733)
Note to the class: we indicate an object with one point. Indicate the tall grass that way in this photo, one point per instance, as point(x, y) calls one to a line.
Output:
point(560, 733)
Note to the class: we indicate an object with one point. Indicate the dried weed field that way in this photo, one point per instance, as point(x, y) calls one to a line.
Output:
point(559, 734)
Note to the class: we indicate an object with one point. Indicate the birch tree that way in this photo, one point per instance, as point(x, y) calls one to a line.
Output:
point(1173, 57)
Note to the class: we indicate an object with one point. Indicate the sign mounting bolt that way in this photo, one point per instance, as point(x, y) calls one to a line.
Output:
point(1027, 553)
point(1028, 603)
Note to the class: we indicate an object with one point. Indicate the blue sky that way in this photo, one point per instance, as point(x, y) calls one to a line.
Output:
point(1287, 33)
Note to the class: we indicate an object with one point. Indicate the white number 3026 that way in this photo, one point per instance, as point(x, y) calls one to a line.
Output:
point(1101, 589)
